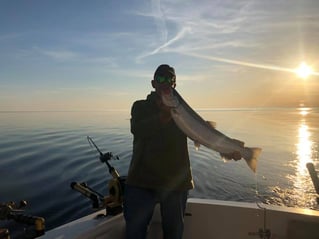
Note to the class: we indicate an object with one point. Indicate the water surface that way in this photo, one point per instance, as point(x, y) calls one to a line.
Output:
point(41, 153)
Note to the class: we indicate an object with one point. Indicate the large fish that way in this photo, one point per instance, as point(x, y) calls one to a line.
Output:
point(204, 133)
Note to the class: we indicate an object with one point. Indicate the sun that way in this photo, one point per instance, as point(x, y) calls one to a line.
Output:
point(303, 70)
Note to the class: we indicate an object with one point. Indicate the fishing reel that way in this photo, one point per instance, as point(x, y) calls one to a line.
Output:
point(108, 156)
point(112, 202)
point(12, 211)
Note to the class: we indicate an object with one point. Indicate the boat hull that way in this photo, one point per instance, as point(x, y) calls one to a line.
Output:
point(207, 219)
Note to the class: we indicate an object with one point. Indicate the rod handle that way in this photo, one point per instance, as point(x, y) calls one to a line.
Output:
point(314, 176)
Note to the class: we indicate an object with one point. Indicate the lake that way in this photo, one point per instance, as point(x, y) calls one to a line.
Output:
point(41, 153)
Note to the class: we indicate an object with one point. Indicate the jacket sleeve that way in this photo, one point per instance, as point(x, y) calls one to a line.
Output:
point(144, 123)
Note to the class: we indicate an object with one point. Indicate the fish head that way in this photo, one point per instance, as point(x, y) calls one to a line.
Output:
point(169, 98)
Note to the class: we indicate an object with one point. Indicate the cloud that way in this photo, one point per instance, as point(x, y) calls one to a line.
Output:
point(212, 25)
point(245, 33)
point(163, 48)
point(70, 56)
point(10, 36)
point(60, 55)
point(159, 18)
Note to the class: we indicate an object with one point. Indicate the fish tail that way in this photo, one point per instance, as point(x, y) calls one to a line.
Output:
point(251, 155)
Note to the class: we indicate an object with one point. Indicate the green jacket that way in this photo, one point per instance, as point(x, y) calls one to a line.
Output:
point(160, 155)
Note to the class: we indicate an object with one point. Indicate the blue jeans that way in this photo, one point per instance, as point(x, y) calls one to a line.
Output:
point(139, 204)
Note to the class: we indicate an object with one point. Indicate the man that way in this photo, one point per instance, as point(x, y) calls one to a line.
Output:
point(160, 169)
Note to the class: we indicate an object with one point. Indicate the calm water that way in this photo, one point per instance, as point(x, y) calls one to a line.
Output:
point(41, 153)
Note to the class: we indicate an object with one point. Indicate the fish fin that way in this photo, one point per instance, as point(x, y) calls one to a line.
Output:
point(238, 142)
point(197, 145)
point(229, 156)
point(251, 155)
point(211, 123)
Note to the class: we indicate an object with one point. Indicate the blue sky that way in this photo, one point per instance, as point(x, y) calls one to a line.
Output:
point(99, 55)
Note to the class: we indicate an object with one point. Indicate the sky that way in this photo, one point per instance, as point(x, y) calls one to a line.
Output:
point(100, 55)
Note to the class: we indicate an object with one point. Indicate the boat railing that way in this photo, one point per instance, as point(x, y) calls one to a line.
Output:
point(264, 232)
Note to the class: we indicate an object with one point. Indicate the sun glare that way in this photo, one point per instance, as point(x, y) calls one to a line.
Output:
point(304, 70)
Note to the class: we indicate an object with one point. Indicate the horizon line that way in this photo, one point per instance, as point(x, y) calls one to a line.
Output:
point(199, 109)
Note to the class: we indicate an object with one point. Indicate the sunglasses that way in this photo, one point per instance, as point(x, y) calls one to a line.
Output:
point(164, 79)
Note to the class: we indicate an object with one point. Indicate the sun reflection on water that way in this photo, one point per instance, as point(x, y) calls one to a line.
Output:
point(301, 180)
point(303, 148)
point(299, 191)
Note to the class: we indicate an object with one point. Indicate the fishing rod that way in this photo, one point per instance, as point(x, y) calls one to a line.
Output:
point(314, 178)
point(104, 158)
point(112, 202)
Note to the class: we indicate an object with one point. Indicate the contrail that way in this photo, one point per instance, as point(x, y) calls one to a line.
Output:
point(243, 63)
point(162, 48)
point(159, 19)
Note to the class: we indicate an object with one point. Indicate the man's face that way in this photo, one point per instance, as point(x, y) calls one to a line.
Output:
point(163, 83)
